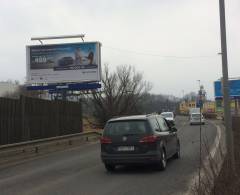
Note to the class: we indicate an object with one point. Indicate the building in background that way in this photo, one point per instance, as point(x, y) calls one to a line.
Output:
point(183, 109)
point(186, 105)
point(235, 106)
point(208, 106)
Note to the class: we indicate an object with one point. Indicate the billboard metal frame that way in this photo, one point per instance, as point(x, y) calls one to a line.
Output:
point(66, 86)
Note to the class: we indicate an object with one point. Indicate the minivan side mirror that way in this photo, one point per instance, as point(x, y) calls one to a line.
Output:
point(174, 129)
point(169, 124)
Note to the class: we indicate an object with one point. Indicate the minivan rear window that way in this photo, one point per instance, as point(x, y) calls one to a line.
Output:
point(129, 127)
point(196, 115)
point(167, 115)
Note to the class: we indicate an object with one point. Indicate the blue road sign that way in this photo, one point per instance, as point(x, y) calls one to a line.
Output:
point(199, 103)
point(234, 89)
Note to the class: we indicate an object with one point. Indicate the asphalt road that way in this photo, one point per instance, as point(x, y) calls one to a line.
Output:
point(80, 171)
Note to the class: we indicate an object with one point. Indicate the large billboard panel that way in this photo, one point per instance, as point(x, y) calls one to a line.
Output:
point(62, 63)
point(234, 89)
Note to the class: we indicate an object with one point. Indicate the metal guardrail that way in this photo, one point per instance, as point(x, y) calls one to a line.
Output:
point(14, 151)
point(38, 141)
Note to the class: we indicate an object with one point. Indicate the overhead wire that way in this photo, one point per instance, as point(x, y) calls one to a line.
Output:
point(159, 55)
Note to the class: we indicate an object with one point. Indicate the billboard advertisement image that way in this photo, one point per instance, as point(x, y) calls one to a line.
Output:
point(61, 63)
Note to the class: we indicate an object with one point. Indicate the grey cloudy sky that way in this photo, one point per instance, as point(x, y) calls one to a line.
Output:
point(173, 42)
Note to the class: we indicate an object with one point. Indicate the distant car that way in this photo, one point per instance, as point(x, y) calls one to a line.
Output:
point(140, 139)
point(65, 61)
point(196, 119)
point(169, 116)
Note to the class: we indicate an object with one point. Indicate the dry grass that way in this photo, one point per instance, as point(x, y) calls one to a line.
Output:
point(217, 179)
point(227, 183)
point(209, 172)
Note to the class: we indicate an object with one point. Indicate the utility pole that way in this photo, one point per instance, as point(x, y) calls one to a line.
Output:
point(225, 87)
point(199, 99)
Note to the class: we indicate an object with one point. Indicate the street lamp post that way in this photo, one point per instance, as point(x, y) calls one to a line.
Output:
point(198, 83)
point(225, 87)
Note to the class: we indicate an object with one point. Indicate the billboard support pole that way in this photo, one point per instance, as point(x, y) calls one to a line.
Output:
point(64, 94)
point(225, 87)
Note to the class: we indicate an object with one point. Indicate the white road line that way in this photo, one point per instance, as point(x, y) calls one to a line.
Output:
point(216, 141)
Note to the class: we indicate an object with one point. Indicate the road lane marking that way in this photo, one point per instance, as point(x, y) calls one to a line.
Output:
point(216, 141)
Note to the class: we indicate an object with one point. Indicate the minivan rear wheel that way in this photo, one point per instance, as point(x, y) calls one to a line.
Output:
point(163, 162)
point(177, 154)
point(110, 167)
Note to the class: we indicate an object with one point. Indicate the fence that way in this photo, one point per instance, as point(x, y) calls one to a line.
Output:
point(27, 119)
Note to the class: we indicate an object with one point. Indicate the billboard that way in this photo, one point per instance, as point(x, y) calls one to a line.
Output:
point(234, 89)
point(62, 63)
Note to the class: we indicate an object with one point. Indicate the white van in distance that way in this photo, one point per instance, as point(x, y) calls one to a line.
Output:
point(196, 119)
point(169, 116)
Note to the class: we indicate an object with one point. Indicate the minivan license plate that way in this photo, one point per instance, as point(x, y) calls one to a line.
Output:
point(126, 148)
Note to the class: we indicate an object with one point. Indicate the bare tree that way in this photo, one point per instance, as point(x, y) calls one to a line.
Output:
point(22, 90)
point(159, 103)
point(192, 96)
point(121, 93)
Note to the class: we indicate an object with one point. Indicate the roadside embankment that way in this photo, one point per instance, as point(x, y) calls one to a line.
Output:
point(228, 183)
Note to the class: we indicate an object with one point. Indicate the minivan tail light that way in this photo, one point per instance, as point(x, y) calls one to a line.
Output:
point(149, 139)
point(105, 140)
